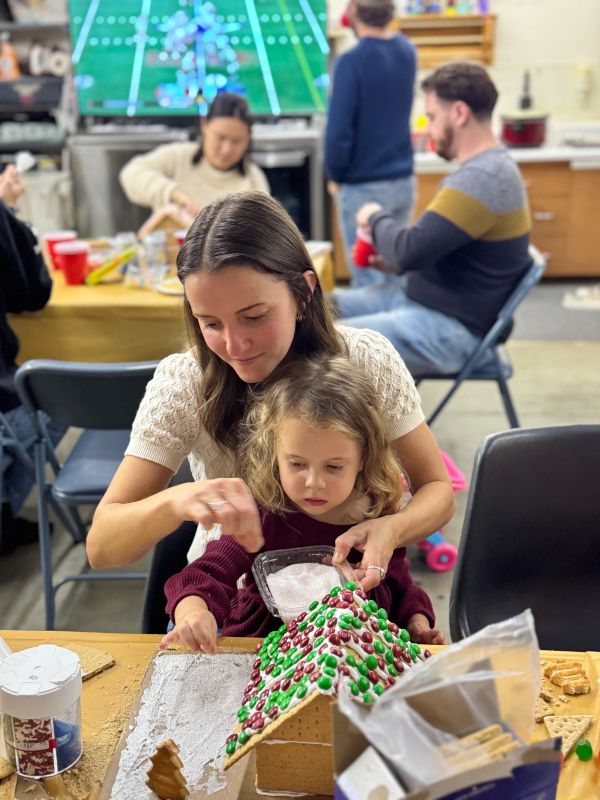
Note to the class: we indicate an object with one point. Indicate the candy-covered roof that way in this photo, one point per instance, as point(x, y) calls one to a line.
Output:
point(342, 640)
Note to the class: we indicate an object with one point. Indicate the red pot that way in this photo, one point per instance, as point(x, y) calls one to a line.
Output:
point(524, 129)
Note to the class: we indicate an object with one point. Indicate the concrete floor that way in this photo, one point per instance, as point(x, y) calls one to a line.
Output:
point(555, 383)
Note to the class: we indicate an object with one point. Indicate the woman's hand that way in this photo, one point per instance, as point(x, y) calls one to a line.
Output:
point(224, 501)
point(375, 539)
point(364, 214)
point(421, 632)
point(185, 201)
point(11, 186)
point(195, 627)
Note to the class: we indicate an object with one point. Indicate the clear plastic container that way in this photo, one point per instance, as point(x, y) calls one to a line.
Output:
point(309, 574)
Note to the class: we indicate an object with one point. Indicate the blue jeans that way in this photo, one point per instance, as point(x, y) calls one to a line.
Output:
point(427, 340)
point(18, 479)
point(396, 196)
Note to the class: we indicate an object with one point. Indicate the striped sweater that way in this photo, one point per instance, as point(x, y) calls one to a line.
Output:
point(467, 251)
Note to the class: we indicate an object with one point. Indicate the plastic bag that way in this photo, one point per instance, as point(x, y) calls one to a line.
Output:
point(491, 677)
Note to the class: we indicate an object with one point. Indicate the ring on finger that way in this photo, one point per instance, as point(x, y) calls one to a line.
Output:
point(215, 505)
point(379, 569)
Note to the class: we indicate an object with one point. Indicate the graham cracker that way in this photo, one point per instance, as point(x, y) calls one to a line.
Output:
point(570, 728)
point(479, 748)
point(164, 776)
point(298, 726)
point(283, 766)
point(92, 660)
point(542, 709)
point(553, 665)
point(6, 769)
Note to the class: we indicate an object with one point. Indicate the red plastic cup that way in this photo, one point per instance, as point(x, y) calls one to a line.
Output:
point(53, 238)
point(73, 260)
point(180, 236)
point(363, 249)
point(345, 20)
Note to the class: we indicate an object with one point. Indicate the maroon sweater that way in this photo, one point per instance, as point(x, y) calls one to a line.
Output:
point(242, 612)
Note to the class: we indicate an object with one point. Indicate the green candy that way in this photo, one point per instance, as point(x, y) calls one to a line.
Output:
point(321, 658)
point(363, 683)
point(379, 647)
point(382, 613)
point(348, 618)
point(367, 698)
point(335, 591)
point(282, 629)
point(351, 661)
point(331, 661)
point(414, 648)
point(285, 701)
point(301, 691)
point(371, 662)
point(289, 674)
point(329, 671)
point(404, 635)
point(378, 689)
point(310, 656)
point(344, 625)
point(584, 750)
point(303, 625)
point(253, 701)
point(388, 636)
point(313, 605)
point(313, 616)
point(320, 621)
point(389, 657)
point(242, 714)
point(243, 737)
point(276, 672)
point(319, 640)
point(356, 623)
point(350, 585)
point(261, 685)
point(230, 747)
point(330, 613)
point(354, 689)
point(324, 682)
point(362, 668)
point(393, 671)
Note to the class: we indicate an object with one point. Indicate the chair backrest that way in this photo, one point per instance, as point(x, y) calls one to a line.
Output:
point(518, 294)
point(531, 536)
point(100, 396)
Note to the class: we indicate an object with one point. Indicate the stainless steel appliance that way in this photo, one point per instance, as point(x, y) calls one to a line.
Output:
point(289, 151)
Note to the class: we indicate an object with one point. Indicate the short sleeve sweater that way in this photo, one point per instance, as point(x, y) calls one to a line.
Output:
point(168, 426)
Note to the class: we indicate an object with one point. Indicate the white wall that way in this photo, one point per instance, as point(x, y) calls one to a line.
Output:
point(557, 40)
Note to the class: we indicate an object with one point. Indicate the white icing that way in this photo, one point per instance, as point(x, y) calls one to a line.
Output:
point(294, 587)
point(191, 699)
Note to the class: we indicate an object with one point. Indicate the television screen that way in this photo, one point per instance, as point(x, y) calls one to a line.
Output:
point(171, 57)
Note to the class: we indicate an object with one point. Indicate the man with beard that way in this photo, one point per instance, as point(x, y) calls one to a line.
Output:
point(448, 275)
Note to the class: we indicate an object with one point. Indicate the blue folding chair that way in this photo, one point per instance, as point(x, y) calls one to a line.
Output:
point(496, 365)
point(103, 400)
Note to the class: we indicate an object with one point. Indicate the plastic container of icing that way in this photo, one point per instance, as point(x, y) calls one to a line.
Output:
point(40, 691)
point(289, 580)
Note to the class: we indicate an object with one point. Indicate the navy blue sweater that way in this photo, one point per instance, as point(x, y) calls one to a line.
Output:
point(368, 127)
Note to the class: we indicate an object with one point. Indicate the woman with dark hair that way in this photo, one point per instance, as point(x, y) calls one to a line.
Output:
point(193, 175)
point(253, 303)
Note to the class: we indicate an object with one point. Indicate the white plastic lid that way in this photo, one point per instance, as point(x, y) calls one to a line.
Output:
point(69, 248)
point(55, 236)
point(39, 682)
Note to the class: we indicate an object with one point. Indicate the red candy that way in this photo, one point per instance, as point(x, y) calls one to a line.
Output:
point(367, 637)
point(272, 712)
point(372, 676)
point(334, 638)
point(368, 648)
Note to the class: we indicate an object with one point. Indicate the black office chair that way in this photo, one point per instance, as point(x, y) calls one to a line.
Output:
point(499, 369)
point(531, 536)
point(169, 557)
point(102, 399)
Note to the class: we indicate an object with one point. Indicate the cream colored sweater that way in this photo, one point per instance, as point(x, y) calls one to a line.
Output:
point(149, 179)
point(168, 429)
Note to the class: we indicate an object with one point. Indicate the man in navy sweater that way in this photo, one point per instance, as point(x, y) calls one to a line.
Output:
point(451, 272)
point(368, 149)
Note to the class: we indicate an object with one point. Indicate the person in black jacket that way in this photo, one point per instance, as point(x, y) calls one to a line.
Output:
point(25, 285)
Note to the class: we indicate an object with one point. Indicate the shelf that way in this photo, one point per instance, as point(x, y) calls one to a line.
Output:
point(440, 38)
point(30, 93)
point(34, 28)
point(33, 145)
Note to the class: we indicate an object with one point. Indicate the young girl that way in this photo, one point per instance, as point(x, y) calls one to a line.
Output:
point(316, 457)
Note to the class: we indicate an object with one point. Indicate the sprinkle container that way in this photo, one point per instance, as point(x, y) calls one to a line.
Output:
point(40, 691)
point(289, 580)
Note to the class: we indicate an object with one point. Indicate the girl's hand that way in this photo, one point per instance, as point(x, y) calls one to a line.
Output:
point(421, 632)
point(224, 501)
point(375, 539)
point(195, 627)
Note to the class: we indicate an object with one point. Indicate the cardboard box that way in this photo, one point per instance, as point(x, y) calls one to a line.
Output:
point(527, 773)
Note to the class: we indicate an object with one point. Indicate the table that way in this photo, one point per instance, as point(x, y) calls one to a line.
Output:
point(107, 699)
point(110, 322)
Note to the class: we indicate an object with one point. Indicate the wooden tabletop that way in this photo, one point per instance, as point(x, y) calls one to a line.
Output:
point(107, 700)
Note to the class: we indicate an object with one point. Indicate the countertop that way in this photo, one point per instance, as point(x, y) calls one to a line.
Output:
point(577, 157)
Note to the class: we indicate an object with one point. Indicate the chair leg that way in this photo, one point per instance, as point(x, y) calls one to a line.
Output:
point(44, 533)
point(443, 402)
point(508, 403)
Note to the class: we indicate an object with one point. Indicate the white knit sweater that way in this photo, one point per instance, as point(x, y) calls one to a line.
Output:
point(150, 178)
point(167, 427)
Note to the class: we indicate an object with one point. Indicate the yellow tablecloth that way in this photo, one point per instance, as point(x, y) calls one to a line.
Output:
point(110, 322)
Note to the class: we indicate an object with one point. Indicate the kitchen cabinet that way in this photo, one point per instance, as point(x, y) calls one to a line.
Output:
point(440, 38)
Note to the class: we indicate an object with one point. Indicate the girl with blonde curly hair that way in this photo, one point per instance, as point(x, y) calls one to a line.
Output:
point(315, 455)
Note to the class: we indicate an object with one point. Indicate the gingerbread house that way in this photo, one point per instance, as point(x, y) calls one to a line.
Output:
point(342, 643)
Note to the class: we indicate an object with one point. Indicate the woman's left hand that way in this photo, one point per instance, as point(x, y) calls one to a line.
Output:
point(375, 539)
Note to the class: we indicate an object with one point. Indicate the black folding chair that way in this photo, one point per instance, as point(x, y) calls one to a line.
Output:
point(102, 399)
point(531, 536)
point(491, 353)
